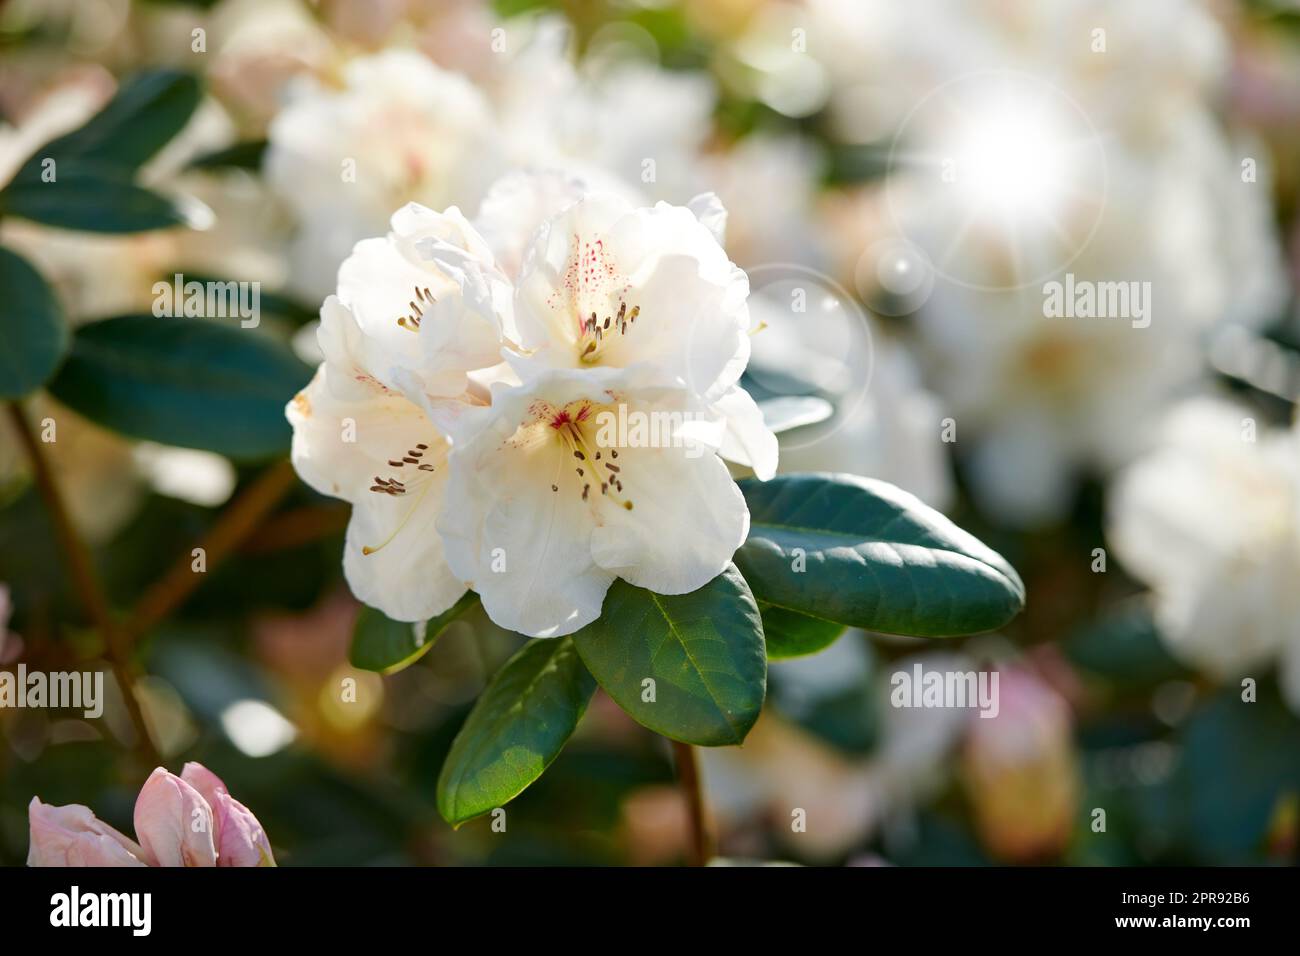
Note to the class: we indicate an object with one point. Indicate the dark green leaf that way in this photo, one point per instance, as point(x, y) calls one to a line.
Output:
point(270, 303)
point(864, 553)
point(791, 634)
point(387, 646)
point(1239, 760)
point(245, 155)
point(92, 199)
point(518, 726)
point(187, 382)
point(33, 335)
point(703, 650)
point(147, 111)
point(1123, 645)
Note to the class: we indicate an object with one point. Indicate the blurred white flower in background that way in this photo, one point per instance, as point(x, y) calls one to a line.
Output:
point(399, 129)
point(624, 118)
point(396, 127)
point(1210, 519)
point(1069, 170)
point(769, 183)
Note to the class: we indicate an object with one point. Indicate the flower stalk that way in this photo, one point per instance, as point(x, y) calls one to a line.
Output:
point(117, 644)
point(700, 849)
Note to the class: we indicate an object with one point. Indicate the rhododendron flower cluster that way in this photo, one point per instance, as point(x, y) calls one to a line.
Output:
point(476, 392)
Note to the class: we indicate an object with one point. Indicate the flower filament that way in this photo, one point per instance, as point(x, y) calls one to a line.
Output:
point(595, 467)
point(423, 299)
point(397, 488)
point(592, 333)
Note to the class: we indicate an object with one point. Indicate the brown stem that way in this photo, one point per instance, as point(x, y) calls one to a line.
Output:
point(234, 525)
point(293, 529)
point(117, 645)
point(688, 778)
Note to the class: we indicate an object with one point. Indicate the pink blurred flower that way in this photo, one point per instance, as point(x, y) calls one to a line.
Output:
point(1020, 770)
point(190, 820)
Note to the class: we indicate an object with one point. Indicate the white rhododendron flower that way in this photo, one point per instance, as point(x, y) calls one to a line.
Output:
point(1211, 521)
point(399, 327)
point(606, 119)
point(608, 285)
point(600, 265)
point(428, 298)
point(536, 429)
point(580, 476)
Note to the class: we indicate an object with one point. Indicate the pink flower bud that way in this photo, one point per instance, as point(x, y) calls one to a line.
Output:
point(72, 836)
point(174, 823)
point(240, 839)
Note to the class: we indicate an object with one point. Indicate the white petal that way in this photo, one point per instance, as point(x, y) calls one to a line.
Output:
point(378, 284)
point(524, 547)
point(359, 366)
point(689, 326)
point(708, 209)
point(554, 287)
point(516, 207)
point(687, 520)
point(684, 301)
point(748, 440)
point(341, 448)
point(428, 299)
point(393, 557)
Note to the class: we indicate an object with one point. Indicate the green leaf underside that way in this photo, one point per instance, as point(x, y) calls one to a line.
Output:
point(874, 557)
point(791, 634)
point(519, 724)
point(91, 199)
point(187, 382)
point(33, 334)
point(704, 651)
point(387, 646)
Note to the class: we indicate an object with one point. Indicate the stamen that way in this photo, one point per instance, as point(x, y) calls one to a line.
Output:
point(592, 332)
point(423, 299)
point(398, 489)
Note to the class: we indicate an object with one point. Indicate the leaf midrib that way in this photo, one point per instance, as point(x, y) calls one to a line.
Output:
point(713, 698)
